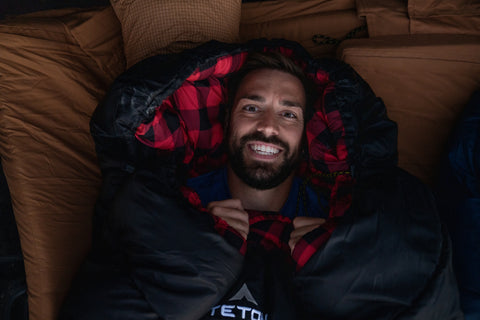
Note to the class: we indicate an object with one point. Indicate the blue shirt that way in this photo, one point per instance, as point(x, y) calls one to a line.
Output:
point(301, 201)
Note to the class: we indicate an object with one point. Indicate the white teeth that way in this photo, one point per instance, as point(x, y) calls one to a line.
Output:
point(265, 150)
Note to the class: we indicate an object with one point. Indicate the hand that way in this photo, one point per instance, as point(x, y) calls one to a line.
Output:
point(302, 226)
point(232, 212)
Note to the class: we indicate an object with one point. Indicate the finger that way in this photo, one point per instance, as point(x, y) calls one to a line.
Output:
point(233, 213)
point(235, 218)
point(300, 232)
point(293, 242)
point(239, 226)
point(229, 203)
point(300, 222)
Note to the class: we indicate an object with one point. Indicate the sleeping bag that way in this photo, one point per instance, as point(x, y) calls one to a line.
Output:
point(459, 201)
point(158, 254)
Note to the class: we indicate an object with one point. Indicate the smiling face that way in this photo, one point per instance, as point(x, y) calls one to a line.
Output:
point(266, 128)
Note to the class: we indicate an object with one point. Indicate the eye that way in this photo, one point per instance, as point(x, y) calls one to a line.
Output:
point(250, 108)
point(289, 115)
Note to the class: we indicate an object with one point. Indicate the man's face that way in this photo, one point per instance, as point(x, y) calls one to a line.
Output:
point(266, 128)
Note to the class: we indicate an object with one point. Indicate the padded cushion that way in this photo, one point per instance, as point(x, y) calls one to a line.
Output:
point(425, 81)
point(420, 16)
point(439, 16)
point(300, 21)
point(430, 8)
point(55, 67)
point(384, 17)
point(151, 27)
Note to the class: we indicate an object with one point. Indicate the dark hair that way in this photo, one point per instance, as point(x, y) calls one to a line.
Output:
point(275, 61)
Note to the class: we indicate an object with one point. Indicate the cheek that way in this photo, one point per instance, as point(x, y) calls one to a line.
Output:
point(295, 136)
point(234, 135)
point(241, 128)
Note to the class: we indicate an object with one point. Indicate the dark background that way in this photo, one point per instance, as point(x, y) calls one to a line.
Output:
point(14, 7)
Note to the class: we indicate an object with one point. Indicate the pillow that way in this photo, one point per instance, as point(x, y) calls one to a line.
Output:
point(428, 8)
point(396, 17)
point(425, 81)
point(302, 21)
point(55, 66)
point(436, 16)
point(384, 17)
point(151, 27)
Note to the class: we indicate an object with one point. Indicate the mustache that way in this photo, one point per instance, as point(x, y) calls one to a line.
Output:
point(259, 136)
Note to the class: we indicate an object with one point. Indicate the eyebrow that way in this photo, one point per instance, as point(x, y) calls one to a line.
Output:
point(286, 103)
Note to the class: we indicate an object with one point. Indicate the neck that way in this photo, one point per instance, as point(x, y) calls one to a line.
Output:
point(261, 200)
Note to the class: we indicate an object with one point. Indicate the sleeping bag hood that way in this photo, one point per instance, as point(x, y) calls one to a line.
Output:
point(169, 112)
point(174, 104)
point(158, 254)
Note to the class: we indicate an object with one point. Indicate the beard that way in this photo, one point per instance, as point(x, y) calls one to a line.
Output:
point(258, 174)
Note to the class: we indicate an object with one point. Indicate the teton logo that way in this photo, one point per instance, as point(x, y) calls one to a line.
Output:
point(237, 309)
point(244, 293)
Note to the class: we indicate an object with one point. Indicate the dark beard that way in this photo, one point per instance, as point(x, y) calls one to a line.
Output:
point(259, 175)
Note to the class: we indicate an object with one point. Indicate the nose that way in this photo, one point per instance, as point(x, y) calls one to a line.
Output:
point(268, 124)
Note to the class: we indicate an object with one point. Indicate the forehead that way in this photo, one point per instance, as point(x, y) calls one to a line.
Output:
point(270, 81)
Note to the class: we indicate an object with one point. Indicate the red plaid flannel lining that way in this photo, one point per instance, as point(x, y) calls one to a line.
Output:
point(272, 231)
point(189, 120)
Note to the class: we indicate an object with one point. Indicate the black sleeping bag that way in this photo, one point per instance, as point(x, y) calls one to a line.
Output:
point(158, 254)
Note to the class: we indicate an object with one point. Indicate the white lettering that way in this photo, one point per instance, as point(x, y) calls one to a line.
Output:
point(257, 314)
point(244, 310)
point(227, 311)
point(212, 313)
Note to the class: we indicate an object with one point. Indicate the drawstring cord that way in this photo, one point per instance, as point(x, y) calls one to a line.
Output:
point(321, 39)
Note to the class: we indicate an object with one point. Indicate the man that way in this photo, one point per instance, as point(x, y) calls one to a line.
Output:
point(355, 238)
point(265, 138)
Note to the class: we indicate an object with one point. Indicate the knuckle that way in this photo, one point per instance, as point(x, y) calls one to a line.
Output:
point(215, 210)
point(237, 203)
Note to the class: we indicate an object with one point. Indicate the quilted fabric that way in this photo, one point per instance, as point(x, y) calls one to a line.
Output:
point(55, 67)
point(152, 27)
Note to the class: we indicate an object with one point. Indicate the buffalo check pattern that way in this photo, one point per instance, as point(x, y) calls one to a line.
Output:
point(191, 120)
